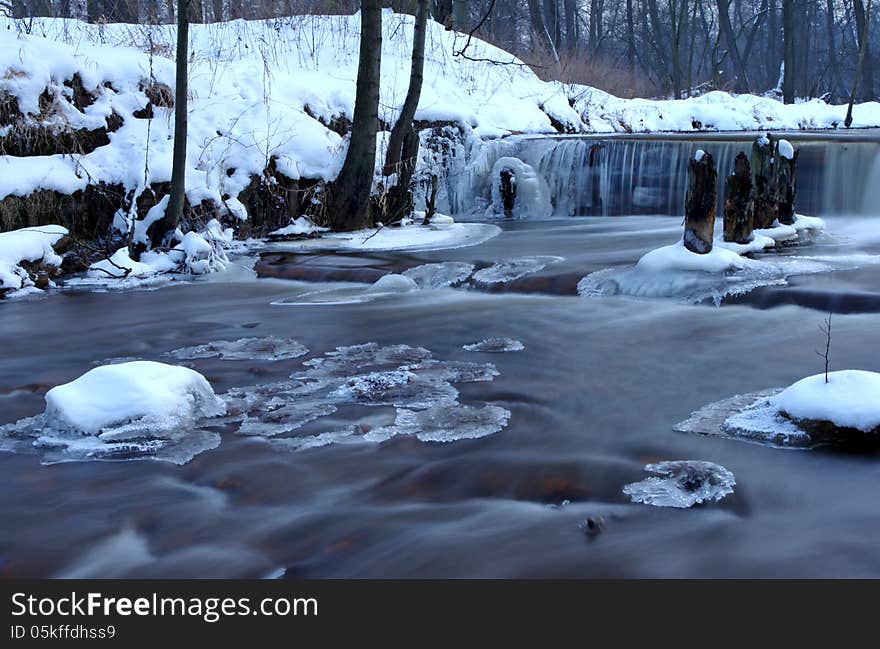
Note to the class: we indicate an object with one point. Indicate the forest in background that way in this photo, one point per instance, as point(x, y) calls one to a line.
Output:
point(644, 48)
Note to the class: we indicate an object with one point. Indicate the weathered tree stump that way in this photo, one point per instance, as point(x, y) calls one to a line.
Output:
point(738, 215)
point(508, 191)
point(764, 202)
point(699, 206)
point(785, 181)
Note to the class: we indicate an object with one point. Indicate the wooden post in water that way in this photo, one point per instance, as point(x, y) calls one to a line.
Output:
point(738, 208)
point(763, 200)
point(699, 204)
point(508, 191)
point(786, 181)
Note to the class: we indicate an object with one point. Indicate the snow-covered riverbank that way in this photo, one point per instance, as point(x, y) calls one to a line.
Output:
point(283, 91)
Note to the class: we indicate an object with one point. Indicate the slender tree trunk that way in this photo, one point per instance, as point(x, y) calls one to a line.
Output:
point(460, 15)
point(863, 51)
point(742, 80)
point(540, 29)
point(174, 212)
point(789, 55)
point(349, 196)
point(630, 38)
point(833, 69)
point(771, 69)
point(863, 19)
point(571, 27)
point(413, 93)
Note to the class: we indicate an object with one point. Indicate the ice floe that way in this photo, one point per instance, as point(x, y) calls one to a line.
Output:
point(509, 270)
point(419, 389)
point(440, 275)
point(495, 345)
point(682, 484)
point(269, 348)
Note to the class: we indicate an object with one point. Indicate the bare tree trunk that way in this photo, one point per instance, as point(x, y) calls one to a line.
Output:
point(540, 29)
point(413, 93)
point(742, 81)
point(863, 51)
point(571, 27)
point(833, 66)
point(460, 15)
point(174, 212)
point(866, 67)
point(349, 195)
point(630, 38)
point(789, 54)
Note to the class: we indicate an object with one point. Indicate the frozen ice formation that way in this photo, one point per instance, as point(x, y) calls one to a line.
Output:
point(387, 285)
point(270, 348)
point(418, 387)
point(495, 345)
point(513, 269)
point(675, 272)
point(682, 484)
point(350, 359)
point(749, 417)
point(842, 412)
point(440, 275)
point(693, 286)
point(393, 283)
point(132, 410)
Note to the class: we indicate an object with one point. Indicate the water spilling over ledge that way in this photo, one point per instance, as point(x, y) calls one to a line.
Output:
point(645, 174)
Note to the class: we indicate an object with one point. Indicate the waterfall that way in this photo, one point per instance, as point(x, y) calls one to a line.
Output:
point(589, 175)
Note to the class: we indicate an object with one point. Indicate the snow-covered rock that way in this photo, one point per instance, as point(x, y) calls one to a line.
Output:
point(28, 244)
point(138, 410)
point(850, 399)
point(140, 397)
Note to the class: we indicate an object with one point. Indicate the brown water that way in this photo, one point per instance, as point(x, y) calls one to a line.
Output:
point(593, 398)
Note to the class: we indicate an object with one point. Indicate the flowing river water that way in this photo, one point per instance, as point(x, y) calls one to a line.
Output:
point(593, 397)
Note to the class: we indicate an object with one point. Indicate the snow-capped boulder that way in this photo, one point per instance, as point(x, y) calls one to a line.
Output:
point(145, 398)
point(849, 399)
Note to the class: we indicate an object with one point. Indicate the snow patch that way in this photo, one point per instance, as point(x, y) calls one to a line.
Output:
point(28, 244)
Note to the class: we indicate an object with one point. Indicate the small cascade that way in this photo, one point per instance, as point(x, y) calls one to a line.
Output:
point(593, 176)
